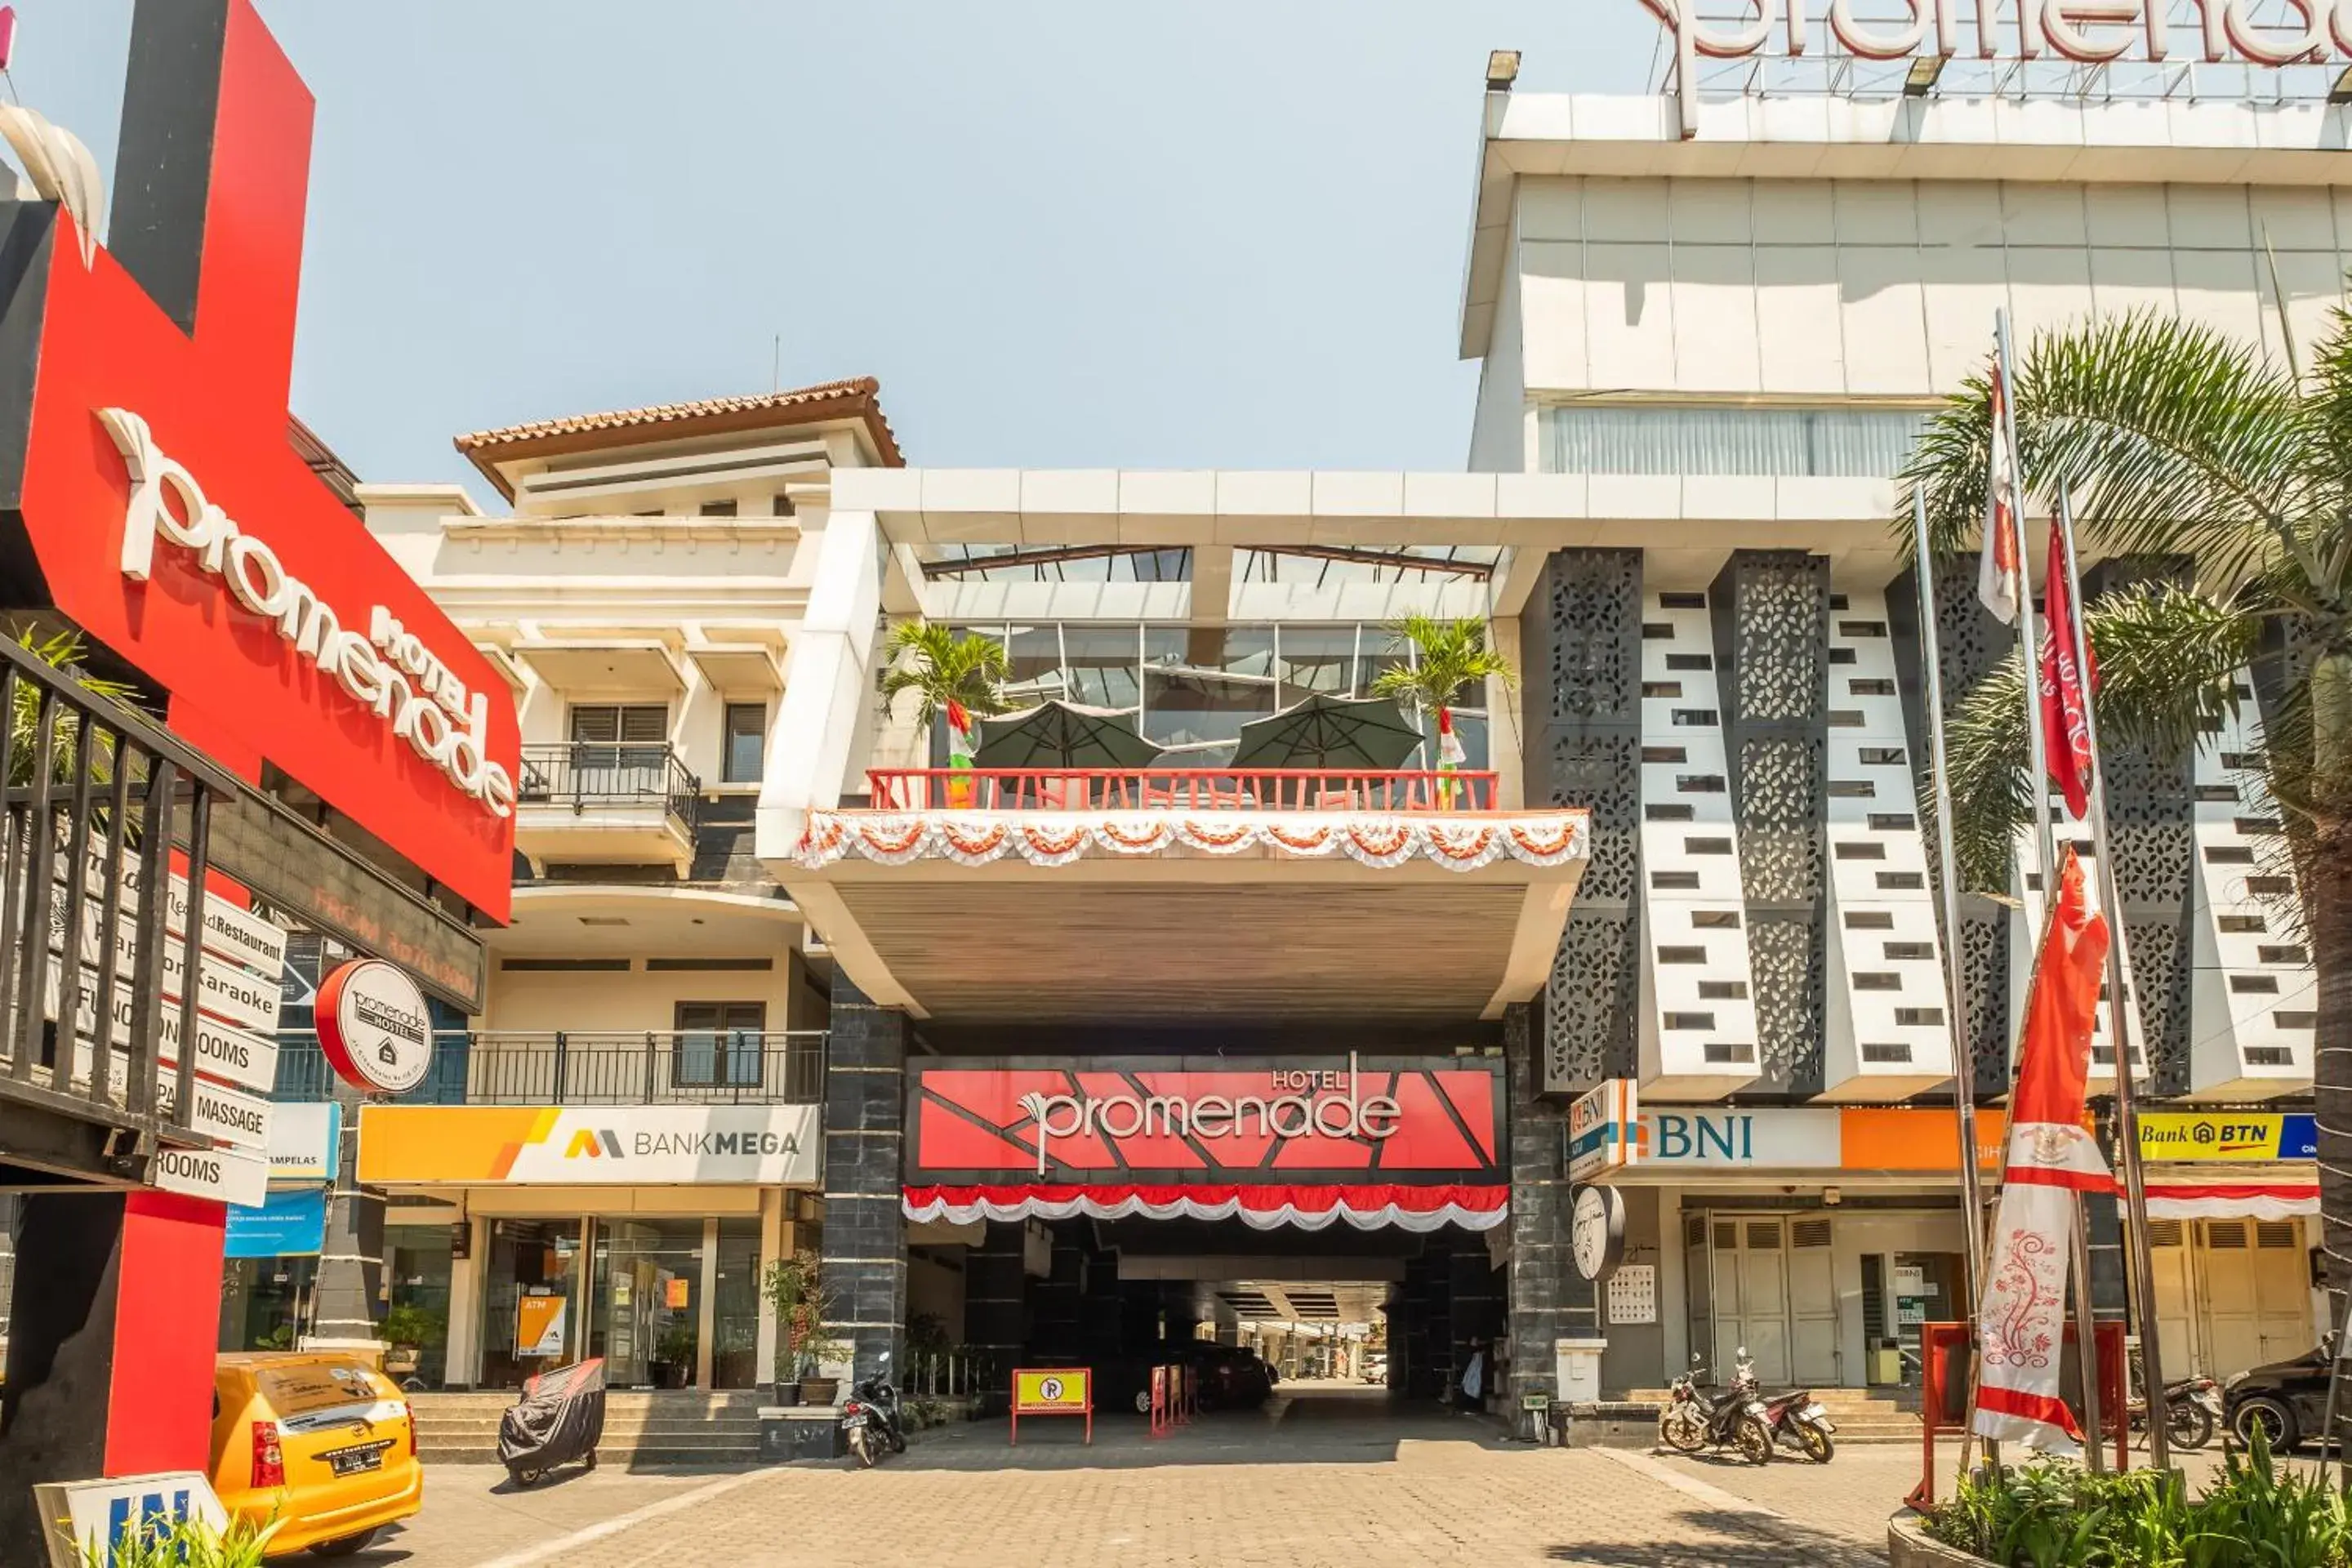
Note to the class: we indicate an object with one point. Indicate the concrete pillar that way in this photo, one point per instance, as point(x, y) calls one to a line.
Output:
point(996, 1305)
point(865, 1239)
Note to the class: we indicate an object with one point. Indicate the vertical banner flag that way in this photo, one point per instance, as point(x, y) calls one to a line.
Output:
point(2000, 571)
point(2066, 687)
point(958, 734)
point(2052, 1158)
point(1450, 752)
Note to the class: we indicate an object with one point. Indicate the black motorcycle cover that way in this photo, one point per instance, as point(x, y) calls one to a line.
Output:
point(561, 1417)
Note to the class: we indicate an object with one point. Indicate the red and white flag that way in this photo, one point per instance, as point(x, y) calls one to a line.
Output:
point(2000, 575)
point(2066, 687)
point(2022, 1320)
point(1450, 751)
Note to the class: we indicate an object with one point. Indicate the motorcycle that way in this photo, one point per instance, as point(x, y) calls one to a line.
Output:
point(1795, 1419)
point(870, 1417)
point(2192, 1410)
point(1733, 1419)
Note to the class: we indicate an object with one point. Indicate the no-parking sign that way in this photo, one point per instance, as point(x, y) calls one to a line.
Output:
point(1053, 1391)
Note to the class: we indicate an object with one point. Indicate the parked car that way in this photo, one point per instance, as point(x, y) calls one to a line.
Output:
point(1376, 1366)
point(1230, 1378)
point(325, 1444)
point(2287, 1399)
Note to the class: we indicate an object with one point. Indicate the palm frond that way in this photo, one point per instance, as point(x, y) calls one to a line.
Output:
point(2168, 663)
point(2177, 440)
point(1448, 656)
point(941, 665)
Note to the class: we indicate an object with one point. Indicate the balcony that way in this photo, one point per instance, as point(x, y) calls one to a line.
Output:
point(1178, 789)
point(1269, 898)
point(604, 805)
point(693, 1067)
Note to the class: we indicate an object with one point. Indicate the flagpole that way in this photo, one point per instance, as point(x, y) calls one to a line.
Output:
point(2139, 1258)
point(2046, 843)
point(1964, 1057)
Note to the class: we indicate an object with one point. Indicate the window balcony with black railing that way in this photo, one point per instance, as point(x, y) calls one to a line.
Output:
point(594, 1066)
point(601, 803)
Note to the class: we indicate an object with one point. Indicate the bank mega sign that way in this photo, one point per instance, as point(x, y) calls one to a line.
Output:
point(637, 1145)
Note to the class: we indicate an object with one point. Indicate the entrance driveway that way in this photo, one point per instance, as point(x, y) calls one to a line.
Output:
point(1328, 1475)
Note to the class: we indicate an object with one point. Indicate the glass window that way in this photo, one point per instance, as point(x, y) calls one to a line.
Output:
point(1102, 672)
point(746, 742)
point(530, 1292)
point(719, 508)
point(1316, 659)
point(1857, 442)
point(418, 1264)
point(264, 1302)
point(631, 737)
point(1202, 684)
point(734, 1353)
point(719, 1044)
point(1035, 656)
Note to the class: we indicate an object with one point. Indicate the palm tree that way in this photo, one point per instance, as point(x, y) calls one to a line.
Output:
point(954, 673)
point(2182, 442)
point(62, 651)
point(1448, 655)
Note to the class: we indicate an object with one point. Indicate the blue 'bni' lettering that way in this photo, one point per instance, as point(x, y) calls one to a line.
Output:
point(1673, 1137)
point(1709, 1133)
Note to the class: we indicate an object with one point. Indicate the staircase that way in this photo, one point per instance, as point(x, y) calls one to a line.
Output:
point(684, 1427)
point(1861, 1415)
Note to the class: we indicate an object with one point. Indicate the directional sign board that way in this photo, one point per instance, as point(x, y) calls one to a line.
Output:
point(224, 1174)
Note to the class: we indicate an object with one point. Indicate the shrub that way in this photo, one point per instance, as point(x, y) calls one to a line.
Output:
point(157, 1542)
point(2048, 1514)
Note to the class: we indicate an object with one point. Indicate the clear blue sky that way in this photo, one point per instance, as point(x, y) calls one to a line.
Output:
point(1224, 234)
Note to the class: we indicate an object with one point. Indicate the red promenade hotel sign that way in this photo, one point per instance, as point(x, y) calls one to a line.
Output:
point(1303, 1143)
point(160, 506)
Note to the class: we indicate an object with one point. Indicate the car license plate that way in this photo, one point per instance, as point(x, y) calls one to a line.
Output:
point(351, 1461)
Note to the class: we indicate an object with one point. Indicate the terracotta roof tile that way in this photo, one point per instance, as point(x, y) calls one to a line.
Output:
point(859, 396)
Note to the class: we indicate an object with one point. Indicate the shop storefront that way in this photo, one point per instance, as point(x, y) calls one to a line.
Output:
point(1819, 1238)
point(530, 1237)
point(2234, 1206)
point(272, 1251)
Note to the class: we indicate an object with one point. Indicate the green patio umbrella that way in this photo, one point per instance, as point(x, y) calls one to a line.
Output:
point(1333, 733)
point(1058, 734)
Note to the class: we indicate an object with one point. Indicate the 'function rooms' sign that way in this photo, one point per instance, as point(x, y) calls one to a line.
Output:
point(2086, 32)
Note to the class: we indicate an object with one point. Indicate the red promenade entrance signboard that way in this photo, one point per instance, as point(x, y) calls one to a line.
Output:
point(159, 504)
point(1304, 1142)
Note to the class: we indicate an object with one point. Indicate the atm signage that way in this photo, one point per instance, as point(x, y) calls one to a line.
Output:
point(2230, 1135)
point(1224, 1122)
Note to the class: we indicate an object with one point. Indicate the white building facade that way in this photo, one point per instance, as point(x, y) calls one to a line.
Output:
point(1705, 356)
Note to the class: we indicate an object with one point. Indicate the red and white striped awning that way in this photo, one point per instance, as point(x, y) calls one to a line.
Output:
point(1304, 1206)
point(2232, 1200)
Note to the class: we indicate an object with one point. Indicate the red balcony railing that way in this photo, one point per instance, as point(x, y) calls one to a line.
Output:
point(1176, 789)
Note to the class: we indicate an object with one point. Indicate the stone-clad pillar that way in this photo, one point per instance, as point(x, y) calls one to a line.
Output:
point(1549, 1299)
point(865, 1239)
point(996, 1305)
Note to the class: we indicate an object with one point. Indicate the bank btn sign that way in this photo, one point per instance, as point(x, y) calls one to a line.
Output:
point(662, 1145)
point(2226, 1135)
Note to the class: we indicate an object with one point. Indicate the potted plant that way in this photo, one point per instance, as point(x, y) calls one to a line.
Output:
point(674, 1357)
point(954, 674)
point(1447, 656)
point(407, 1330)
point(794, 1288)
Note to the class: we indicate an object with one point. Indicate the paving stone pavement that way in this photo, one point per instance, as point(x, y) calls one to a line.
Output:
point(1330, 1478)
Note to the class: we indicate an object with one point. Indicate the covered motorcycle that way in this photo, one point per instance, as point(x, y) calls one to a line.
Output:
point(560, 1418)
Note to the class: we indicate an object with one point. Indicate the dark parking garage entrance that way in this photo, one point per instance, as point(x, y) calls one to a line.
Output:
point(1334, 1217)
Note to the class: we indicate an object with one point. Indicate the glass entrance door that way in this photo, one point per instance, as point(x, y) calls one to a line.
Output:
point(646, 1300)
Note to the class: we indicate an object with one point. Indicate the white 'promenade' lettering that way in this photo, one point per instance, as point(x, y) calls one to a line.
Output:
point(2088, 32)
point(1297, 1115)
point(388, 670)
